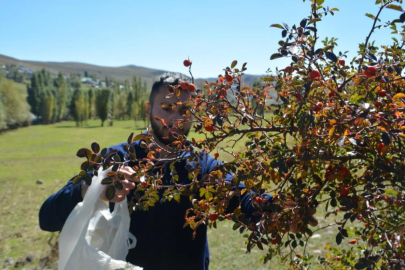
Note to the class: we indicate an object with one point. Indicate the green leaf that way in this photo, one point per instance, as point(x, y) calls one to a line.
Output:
point(236, 226)
point(83, 173)
point(81, 153)
point(177, 197)
point(88, 179)
point(360, 265)
point(117, 158)
point(370, 16)
point(103, 152)
point(115, 167)
point(331, 56)
point(395, 7)
point(88, 154)
point(110, 192)
point(386, 138)
point(130, 138)
point(142, 137)
point(85, 165)
point(277, 26)
point(344, 233)
point(118, 185)
point(202, 192)
point(77, 179)
point(111, 174)
point(339, 238)
point(107, 181)
point(208, 195)
point(234, 63)
point(343, 73)
point(95, 147)
point(314, 20)
point(275, 56)
point(319, 2)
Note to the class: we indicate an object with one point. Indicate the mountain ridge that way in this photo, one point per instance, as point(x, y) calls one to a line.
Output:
point(119, 73)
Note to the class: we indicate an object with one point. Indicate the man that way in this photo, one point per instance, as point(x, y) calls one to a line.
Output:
point(162, 242)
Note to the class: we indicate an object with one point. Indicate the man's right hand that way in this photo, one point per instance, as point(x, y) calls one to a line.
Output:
point(128, 184)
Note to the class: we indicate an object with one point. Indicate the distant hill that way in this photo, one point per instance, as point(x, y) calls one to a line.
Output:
point(118, 73)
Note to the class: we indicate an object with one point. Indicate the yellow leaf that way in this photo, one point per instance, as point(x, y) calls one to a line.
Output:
point(402, 136)
point(332, 131)
point(332, 122)
point(399, 95)
point(400, 104)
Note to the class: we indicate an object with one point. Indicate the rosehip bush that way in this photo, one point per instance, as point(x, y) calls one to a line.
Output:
point(334, 138)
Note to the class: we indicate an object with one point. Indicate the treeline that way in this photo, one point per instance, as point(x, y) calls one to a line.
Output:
point(56, 99)
point(14, 110)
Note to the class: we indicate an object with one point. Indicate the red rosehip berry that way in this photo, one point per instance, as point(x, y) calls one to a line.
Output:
point(344, 190)
point(184, 85)
point(213, 216)
point(191, 87)
point(258, 200)
point(353, 241)
point(314, 74)
point(318, 106)
point(210, 128)
point(344, 172)
point(187, 63)
point(229, 78)
point(370, 71)
point(380, 147)
point(382, 93)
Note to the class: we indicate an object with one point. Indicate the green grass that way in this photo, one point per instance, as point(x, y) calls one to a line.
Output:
point(48, 153)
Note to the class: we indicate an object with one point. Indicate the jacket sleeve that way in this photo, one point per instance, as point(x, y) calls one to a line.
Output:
point(56, 209)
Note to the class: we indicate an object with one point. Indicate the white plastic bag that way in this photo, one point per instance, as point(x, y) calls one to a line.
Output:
point(94, 238)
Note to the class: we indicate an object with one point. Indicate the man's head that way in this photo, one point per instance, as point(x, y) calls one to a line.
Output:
point(168, 109)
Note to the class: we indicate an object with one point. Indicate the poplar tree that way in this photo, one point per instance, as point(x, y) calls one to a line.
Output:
point(102, 104)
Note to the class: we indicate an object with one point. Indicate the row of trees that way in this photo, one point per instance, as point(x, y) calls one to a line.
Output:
point(57, 99)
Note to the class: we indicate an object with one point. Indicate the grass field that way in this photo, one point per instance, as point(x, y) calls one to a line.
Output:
point(48, 154)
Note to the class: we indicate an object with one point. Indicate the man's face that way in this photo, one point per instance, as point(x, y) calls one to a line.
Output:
point(172, 113)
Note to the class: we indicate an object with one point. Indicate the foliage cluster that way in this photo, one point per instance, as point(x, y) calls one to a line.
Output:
point(347, 124)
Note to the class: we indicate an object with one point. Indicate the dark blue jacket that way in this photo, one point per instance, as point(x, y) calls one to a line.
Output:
point(162, 242)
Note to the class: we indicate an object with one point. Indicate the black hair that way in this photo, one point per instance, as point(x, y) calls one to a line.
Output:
point(168, 78)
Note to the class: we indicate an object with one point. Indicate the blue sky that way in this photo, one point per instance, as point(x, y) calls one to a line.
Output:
point(161, 34)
